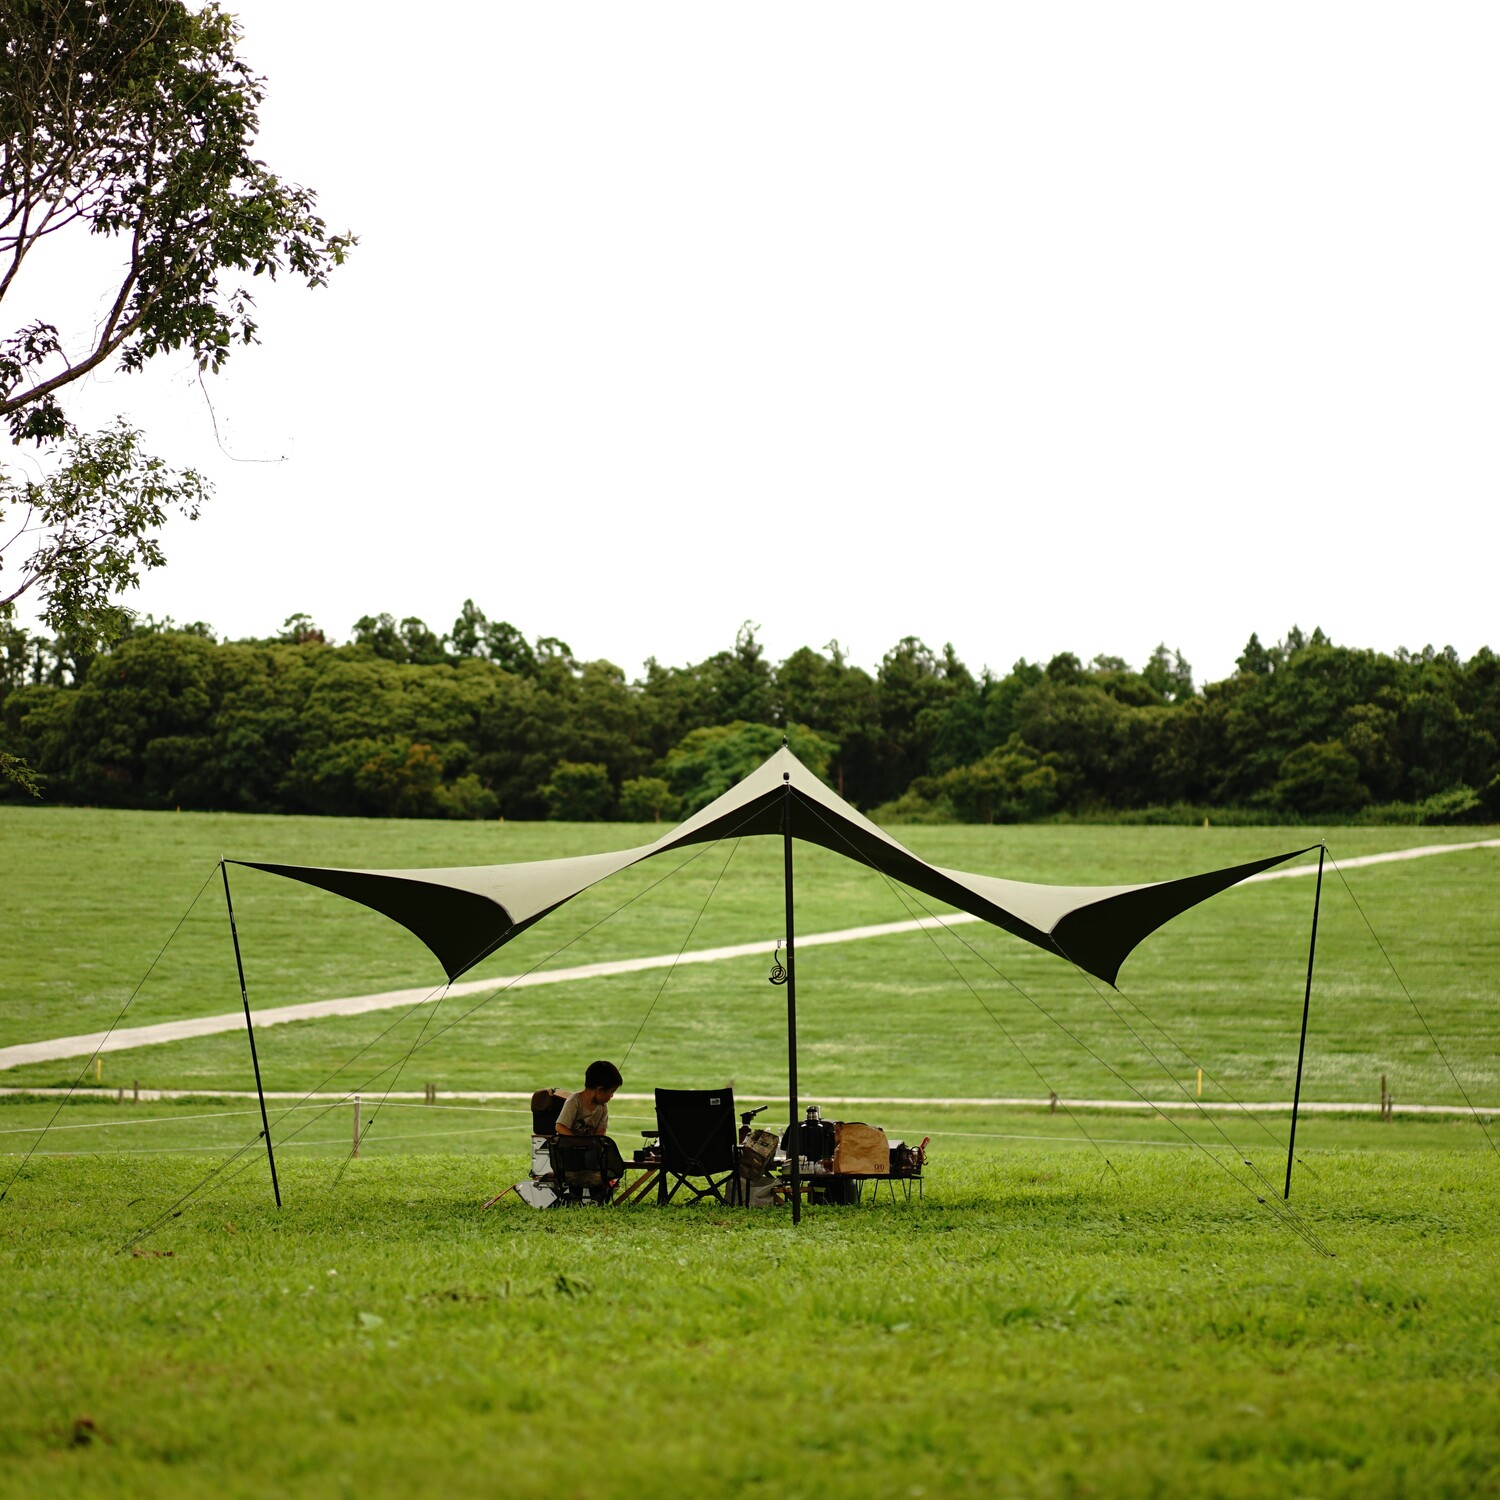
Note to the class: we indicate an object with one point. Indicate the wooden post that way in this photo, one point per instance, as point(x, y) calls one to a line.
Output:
point(1200, 1083)
point(432, 1093)
point(356, 1126)
point(98, 1069)
point(136, 1096)
point(1052, 1100)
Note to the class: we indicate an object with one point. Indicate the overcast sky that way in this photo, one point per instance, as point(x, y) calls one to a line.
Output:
point(1030, 328)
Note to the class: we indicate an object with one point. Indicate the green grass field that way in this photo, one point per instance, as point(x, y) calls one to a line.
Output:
point(1036, 1326)
point(1083, 1304)
point(970, 1014)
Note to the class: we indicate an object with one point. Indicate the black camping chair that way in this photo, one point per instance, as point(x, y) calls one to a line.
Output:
point(698, 1141)
point(585, 1168)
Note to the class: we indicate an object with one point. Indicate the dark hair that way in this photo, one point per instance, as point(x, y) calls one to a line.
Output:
point(602, 1075)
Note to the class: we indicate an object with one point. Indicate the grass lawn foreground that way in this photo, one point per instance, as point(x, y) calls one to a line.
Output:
point(1036, 1326)
point(1043, 1322)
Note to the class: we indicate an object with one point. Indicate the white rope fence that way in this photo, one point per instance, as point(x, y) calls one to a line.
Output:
point(339, 1141)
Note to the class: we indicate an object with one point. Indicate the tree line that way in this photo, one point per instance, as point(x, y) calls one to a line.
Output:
point(483, 721)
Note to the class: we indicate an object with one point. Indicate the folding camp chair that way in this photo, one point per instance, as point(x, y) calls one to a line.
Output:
point(698, 1141)
point(585, 1168)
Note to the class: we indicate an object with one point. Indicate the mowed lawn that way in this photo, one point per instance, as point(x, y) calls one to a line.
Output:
point(1036, 1325)
point(1084, 1304)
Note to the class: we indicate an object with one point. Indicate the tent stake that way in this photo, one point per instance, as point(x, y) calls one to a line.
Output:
point(794, 1132)
point(265, 1124)
point(1312, 948)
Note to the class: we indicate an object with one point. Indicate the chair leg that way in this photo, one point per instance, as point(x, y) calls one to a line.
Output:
point(722, 1189)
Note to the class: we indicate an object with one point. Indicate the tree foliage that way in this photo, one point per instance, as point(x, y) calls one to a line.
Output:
point(648, 799)
point(136, 120)
point(578, 792)
point(710, 761)
point(1013, 784)
point(91, 529)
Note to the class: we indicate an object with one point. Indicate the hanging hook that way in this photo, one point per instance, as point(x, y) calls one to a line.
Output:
point(778, 969)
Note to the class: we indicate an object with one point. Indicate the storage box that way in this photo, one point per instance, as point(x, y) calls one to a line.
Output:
point(757, 1152)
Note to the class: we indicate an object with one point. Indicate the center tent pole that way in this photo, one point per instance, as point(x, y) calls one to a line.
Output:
point(254, 1060)
point(1312, 948)
point(794, 1132)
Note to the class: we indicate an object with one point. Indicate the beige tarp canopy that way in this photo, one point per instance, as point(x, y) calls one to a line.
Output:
point(465, 914)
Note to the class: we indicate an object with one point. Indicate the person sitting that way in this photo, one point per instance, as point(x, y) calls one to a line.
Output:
point(587, 1111)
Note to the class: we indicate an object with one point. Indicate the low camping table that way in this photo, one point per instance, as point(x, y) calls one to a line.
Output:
point(635, 1192)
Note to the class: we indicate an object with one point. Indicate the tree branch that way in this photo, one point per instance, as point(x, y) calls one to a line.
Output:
point(72, 372)
point(21, 531)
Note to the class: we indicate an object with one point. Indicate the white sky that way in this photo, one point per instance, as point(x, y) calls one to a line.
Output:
point(1030, 328)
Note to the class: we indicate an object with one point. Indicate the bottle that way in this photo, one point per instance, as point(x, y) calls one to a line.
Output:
point(810, 1137)
point(816, 1137)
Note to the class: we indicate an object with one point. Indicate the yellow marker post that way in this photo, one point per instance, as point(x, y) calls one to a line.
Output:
point(98, 1070)
point(1200, 1083)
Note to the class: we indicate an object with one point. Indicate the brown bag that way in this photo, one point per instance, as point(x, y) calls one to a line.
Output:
point(862, 1149)
point(546, 1106)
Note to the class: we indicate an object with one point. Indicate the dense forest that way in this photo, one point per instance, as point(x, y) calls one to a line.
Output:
point(483, 722)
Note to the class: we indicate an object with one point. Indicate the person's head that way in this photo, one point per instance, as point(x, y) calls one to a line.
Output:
point(603, 1078)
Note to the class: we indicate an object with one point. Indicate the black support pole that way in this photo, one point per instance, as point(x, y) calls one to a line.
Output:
point(794, 1128)
point(1312, 948)
point(265, 1125)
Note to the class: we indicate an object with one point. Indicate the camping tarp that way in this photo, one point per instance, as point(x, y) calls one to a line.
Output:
point(464, 914)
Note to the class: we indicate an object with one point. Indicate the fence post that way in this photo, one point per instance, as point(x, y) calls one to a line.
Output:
point(1052, 1100)
point(356, 1126)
